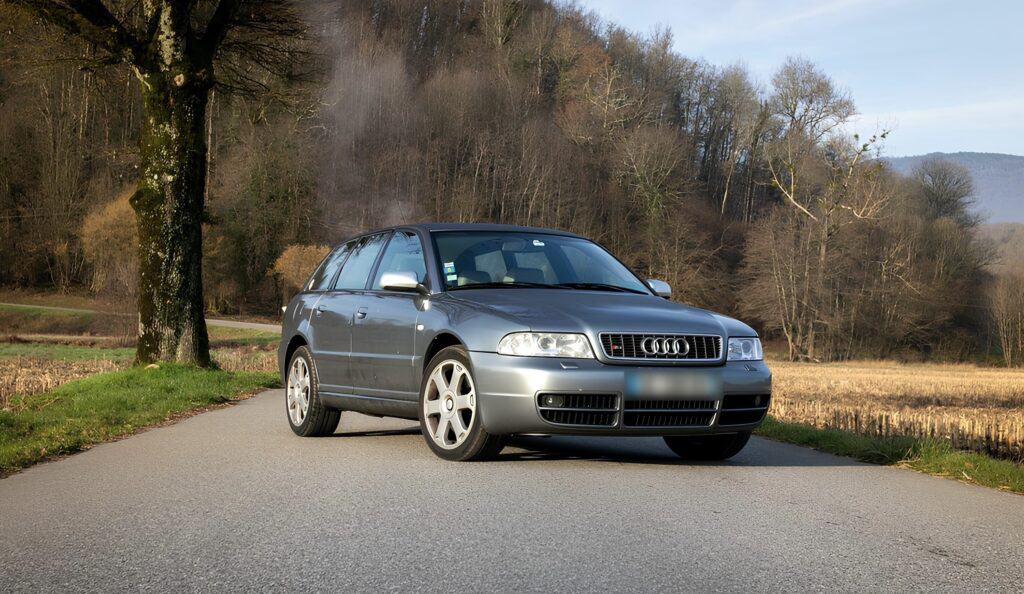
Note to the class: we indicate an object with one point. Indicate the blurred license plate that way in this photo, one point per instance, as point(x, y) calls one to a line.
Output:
point(695, 383)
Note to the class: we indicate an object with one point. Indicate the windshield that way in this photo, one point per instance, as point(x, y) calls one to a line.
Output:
point(486, 259)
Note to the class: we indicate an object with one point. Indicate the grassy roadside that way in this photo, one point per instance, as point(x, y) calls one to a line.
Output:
point(106, 406)
point(931, 456)
point(50, 352)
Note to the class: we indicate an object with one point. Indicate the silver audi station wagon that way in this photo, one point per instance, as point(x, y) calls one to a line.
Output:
point(485, 331)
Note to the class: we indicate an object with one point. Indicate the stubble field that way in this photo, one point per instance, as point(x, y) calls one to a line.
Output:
point(975, 408)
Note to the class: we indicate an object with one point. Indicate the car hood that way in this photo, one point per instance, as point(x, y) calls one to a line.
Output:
point(554, 310)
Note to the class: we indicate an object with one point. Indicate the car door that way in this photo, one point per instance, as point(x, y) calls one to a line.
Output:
point(335, 312)
point(384, 334)
point(330, 337)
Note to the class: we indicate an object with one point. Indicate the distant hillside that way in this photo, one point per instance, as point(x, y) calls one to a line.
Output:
point(998, 181)
point(1008, 239)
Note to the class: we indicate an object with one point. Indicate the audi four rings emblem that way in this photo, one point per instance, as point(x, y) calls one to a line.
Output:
point(665, 346)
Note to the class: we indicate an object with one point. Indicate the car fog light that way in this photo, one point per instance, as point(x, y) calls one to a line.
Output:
point(553, 401)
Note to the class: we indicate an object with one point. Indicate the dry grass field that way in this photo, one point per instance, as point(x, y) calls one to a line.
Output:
point(43, 349)
point(26, 376)
point(27, 369)
point(976, 408)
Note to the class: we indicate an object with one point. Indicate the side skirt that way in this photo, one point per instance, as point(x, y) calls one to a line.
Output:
point(372, 405)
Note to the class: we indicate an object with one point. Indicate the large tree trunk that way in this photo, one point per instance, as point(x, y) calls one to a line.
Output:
point(169, 207)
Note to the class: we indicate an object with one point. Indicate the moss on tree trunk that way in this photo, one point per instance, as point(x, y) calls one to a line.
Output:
point(169, 208)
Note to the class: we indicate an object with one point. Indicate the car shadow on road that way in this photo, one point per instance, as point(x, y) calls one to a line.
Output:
point(640, 450)
point(378, 433)
point(634, 450)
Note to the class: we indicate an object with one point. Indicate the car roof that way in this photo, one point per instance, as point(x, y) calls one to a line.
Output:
point(429, 227)
point(486, 227)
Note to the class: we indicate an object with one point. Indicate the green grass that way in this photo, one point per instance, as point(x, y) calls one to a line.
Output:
point(63, 352)
point(34, 310)
point(27, 319)
point(932, 456)
point(109, 405)
point(241, 336)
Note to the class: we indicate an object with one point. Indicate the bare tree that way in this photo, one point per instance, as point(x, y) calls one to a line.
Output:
point(947, 190)
point(1006, 303)
point(178, 51)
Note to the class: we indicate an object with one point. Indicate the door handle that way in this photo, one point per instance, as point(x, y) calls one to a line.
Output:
point(360, 313)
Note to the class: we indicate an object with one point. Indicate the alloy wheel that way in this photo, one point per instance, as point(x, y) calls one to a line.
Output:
point(449, 407)
point(298, 391)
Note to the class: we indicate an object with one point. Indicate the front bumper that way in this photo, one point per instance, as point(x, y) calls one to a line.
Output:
point(508, 389)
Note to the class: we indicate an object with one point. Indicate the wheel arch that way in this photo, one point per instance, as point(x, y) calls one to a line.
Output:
point(441, 340)
point(293, 345)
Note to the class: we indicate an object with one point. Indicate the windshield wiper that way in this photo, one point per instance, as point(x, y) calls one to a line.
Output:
point(601, 287)
point(516, 285)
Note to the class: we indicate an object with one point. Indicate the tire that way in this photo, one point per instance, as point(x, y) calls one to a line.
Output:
point(449, 408)
point(307, 415)
point(707, 447)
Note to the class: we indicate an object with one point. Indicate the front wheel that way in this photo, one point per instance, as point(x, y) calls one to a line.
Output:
point(450, 412)
point(707, 447)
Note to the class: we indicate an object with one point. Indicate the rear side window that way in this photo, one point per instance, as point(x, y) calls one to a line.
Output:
point(356, 271)
point(321, 279)
point(403, 254)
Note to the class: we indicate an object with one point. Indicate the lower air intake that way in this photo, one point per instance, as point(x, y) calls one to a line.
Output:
point(669, 413)
point(744, 409)
point(588, 410)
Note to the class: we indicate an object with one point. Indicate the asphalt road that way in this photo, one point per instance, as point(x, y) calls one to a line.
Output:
point(232, 500)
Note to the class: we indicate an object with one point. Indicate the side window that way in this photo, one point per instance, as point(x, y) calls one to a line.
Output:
point(321, 279)
point(403, 254)
point(357, 267)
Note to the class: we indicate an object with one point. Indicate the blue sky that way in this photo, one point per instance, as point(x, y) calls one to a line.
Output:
point(943, 75)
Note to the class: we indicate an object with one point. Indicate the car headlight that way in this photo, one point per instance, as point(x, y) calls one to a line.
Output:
point(546, 344)
point(745, 349)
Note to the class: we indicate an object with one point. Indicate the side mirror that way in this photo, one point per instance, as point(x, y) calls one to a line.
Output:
point(660, 288)
point(402, 281)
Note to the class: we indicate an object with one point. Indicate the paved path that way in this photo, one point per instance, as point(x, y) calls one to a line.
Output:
point(232, 500)
point(209, 321)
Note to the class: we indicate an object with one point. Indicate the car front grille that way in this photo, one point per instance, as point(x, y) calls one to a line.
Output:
point(594, 410)
point(652, 405)
point(602, 410)
point(669, 413)
point(702, 347)
point(743, 409)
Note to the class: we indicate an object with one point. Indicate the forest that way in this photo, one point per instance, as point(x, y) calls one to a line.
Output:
point(749, 197)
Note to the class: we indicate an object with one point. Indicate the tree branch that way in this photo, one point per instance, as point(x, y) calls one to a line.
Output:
point(90, 20)
point(217, 27)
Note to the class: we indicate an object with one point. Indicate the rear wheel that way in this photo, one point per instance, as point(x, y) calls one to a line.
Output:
point(707, 447)
point(450, 412)
point(307, 415)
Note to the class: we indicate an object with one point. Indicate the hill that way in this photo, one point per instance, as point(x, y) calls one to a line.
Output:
point(998, 181)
